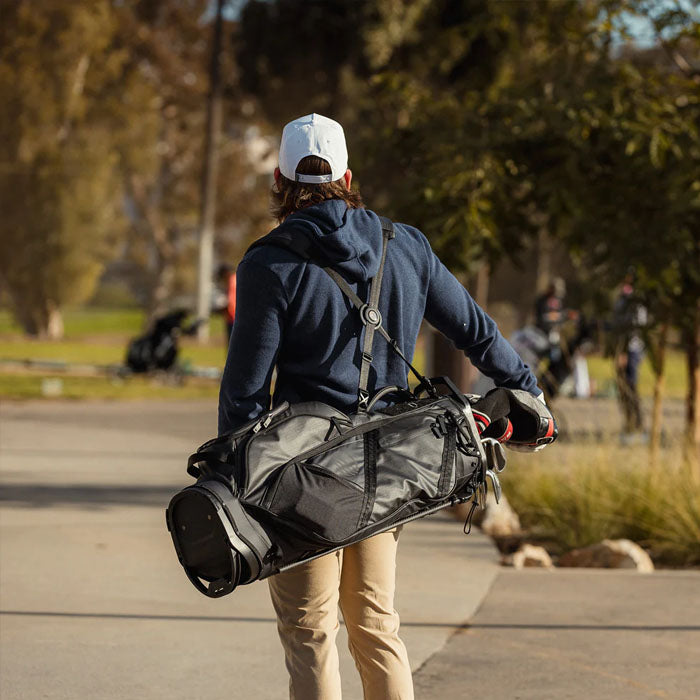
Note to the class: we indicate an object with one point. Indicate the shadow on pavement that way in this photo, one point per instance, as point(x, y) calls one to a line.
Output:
point(41, 496)
point(98, 453)
point(227, 618)
point(184, 618)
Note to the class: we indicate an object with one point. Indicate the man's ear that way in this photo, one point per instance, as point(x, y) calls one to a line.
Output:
point(348, 178)
point(277, 174)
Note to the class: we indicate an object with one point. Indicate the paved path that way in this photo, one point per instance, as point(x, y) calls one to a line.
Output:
point(94, 604)
point(575, 634)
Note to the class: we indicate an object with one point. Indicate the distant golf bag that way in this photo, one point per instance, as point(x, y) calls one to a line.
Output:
point(158, 348)
point(306, 479)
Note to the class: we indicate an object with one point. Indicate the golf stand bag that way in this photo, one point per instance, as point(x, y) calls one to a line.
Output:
point(306, 479)
point(158, 348)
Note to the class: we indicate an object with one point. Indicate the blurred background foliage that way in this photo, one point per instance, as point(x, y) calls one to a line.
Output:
point(524, 138)
point(486, 124)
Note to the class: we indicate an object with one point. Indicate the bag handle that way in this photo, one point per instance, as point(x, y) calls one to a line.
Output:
point(388, 390)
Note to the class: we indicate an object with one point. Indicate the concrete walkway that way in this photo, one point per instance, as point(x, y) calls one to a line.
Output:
point(93, 603)
point(580, 634)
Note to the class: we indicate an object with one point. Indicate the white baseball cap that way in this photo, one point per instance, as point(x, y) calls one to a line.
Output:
point(313, 135)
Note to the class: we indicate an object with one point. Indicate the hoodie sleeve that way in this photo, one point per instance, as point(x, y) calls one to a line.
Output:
point(261, 305)
point(451, 309)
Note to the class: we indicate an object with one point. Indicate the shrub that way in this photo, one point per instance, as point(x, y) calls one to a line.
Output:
point(576, 495)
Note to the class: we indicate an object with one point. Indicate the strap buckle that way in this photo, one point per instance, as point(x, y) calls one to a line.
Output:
point(387, 227)
point(370, 316)
point(362, 400)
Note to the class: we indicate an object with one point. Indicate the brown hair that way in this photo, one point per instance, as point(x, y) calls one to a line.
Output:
point(289, 196)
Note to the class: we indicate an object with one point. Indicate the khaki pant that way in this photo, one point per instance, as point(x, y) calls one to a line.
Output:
point(361, 578)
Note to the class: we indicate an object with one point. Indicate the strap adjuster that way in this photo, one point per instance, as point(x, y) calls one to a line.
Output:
point(362, 400)
point(370, 316)
point(367, 356)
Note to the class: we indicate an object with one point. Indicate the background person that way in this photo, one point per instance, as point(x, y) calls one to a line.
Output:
point(549, 307)
point(629, 318)
point(226, 298)
point(291, 314)
point(556, 343)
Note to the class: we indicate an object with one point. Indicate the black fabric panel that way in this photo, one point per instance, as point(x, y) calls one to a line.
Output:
point(447, 466)
point(328, 505)
point(346, 460)
point(370, 464)
point(202, 540)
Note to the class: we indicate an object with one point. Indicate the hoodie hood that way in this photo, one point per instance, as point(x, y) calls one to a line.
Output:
point(350, 239)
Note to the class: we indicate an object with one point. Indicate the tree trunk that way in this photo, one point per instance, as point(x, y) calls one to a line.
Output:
point(39, 317)
point(543, 274)
point(148, 204)
point(446, 358)
point(209, 178)
point(656, 413)
point(24, 315)
point(692, 348)
point(162, 289)
point(481, 296)
point(54, 322)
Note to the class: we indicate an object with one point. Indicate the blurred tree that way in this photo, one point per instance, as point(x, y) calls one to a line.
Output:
point(57, 184)
point(157, 104)
point(298, 57)
point(161, 139)
point(425, 91)
point(490, 124)
point(101, 148)
point(636, 175)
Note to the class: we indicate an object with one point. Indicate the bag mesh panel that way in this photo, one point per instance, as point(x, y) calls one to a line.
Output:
point(313, 497)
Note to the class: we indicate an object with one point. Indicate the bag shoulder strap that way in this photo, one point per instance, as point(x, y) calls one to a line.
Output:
point(369, 311)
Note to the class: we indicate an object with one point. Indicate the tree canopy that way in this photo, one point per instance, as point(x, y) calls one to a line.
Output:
point(486, 124)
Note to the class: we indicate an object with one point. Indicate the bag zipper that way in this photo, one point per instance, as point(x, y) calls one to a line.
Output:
point(359, 430)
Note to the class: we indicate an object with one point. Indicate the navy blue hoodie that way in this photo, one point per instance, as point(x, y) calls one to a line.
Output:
point(291, 314)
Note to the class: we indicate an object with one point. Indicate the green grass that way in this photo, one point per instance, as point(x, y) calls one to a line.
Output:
point(62, 351)
point(602, 371)
point(29, 386)
point(100, 336)
point(101, 353)
point(94, 336)
point(567, 498)
point(87, 322)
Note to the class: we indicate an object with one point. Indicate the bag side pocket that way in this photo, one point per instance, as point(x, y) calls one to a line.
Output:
point(317, 499)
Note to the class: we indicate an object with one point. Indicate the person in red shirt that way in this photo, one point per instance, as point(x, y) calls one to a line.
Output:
point(226, 277)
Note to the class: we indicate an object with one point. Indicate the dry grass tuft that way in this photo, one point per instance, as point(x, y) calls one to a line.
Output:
point(575, 495)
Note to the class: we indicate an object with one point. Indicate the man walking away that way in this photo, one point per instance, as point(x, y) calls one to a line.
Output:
point(292, 315)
